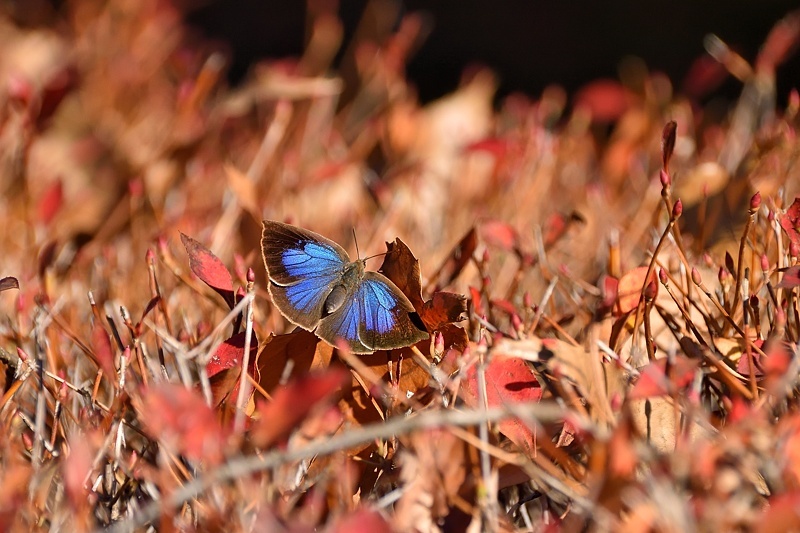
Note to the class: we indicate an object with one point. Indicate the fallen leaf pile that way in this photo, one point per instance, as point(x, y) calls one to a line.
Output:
point(610, 280)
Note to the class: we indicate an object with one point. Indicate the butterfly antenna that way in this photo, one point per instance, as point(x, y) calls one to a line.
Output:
point(374, 256)
point(355, 239)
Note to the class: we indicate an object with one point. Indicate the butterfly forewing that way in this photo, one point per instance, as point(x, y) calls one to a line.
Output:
point(293, 254)
point(303, 268)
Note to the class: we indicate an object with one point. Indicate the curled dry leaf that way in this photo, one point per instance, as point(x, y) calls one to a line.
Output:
point(400, 266)
point(209, 269)
point(8, 283)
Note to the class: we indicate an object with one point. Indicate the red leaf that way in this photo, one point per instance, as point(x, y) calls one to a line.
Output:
point(50, 202)
point(224, 367)
point(705, 75)
point(292, 402)
point(499, 234)
point(360, 521)
point(790, 221)
point(781, 514)
point(781, 42)
point(509, 380)
point(606, 100)
point(179, 417)
point(209, 269)
point(230, 354)
point(498, 147)
point(654, 382)
point(101, 345)
point(477, 303)
point(791, 278)
point(609, 286)
point(76, 468)
point(778, 359)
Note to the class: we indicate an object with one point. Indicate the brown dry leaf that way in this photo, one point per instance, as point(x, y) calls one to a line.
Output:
point(244, 189)
point(402, 268)
point(659, 420)
point(596, 381)
point(301, 349)
point(457, 259)
point(630, 286)
point(434, 468)
point(703, 181)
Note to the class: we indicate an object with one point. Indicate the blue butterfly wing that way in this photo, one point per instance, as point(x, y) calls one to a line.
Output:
point(303, 268)
point(375, 316)
point(344, 325)
point(388, 317)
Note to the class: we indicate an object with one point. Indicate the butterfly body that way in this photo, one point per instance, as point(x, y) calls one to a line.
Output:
point(314, 285)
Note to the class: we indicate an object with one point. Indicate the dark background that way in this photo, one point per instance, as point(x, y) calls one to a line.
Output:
point(529, 43)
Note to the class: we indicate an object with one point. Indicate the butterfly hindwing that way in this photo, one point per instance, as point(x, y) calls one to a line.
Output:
point(344, 324)
point(386, 315)
point(303, 268)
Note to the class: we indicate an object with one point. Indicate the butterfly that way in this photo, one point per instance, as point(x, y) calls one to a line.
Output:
point(314, 285)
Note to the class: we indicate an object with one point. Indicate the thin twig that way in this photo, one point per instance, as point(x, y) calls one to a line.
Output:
point(244, 466)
